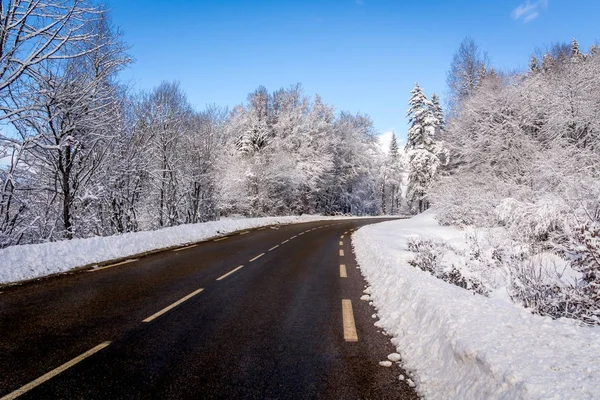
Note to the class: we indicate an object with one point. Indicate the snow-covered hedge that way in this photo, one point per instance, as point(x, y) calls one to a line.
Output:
point(37, 260)
point(457, 345)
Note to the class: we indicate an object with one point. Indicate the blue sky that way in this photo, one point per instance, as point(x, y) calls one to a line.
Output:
point(359, 55)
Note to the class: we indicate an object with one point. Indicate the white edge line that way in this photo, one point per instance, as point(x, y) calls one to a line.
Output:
point(219, 239)
point(54, 372)
point(112, 265)
point(178, 302)
point(186, 247)
point(257, 257)
point(243, 233)
point(230, 272)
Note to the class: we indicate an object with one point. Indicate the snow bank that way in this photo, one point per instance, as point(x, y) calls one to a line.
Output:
point(457, 345)
point(37, 260)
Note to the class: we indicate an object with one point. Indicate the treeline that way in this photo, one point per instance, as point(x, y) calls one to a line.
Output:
point(82, 155)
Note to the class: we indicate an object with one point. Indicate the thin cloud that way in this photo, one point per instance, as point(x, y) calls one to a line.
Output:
point(528, 11)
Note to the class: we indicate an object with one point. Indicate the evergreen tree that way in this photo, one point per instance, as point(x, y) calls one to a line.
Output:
point(534, 64)
point(422, 148)
point(575, 51)
point(436, 109)
point(394, 147)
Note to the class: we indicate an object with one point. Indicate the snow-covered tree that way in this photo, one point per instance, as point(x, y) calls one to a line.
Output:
point(423, 150)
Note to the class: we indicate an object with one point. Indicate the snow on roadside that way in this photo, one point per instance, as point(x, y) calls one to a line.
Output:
point(37, 260)
point(457, 345)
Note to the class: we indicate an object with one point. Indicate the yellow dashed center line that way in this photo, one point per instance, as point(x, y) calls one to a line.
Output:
point(178, 302)
point(273, 248)
point(54, 372)
point(341, 243)
point(113, 265)
point(343, 273)
point(257, 257)
point(350, 334)
point(230, 272)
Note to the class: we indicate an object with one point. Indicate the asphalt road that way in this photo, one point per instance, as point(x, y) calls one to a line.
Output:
point(193, 324)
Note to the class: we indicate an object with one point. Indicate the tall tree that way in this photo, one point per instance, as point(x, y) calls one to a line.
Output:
point(465, 71)
point(422, 149)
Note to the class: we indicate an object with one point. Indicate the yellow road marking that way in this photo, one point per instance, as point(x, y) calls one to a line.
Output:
point(178, 302)
point(285, 241)
point(230, 272)
point(273, 248)
point(54, 372)
point(113, 265)
point(343, 273)
point(187, 247)
point(350, 334)
point(341, 253)
point(257, 257)
point(243, 233)
point(219, 239)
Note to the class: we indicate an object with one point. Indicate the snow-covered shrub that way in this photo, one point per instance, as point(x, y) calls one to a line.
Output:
point(464, 200)
point(534, 221)
point(547, 286)
point(444, 262)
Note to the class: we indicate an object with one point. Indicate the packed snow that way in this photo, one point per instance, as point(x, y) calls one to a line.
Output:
point(38, 260)
point(458, 345)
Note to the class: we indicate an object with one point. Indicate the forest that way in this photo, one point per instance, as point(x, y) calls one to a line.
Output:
point(84, 155)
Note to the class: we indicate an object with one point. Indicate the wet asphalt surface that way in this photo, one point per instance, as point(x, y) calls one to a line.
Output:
point(271, 330)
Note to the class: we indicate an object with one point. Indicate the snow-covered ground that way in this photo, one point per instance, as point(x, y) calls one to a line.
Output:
point(36, 260)
point(457, 345)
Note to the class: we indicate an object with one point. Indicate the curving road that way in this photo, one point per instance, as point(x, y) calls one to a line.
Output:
point(271, 313)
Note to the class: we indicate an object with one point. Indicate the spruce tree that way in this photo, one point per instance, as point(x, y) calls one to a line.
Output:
point(423, 149)
point(436, 109)
point(575, 51)
point(534, 64)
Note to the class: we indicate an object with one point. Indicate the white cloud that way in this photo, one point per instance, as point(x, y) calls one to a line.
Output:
point(528, 11)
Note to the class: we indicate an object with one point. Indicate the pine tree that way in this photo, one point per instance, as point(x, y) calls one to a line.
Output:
point(436, 109)
point(394, 147)
point(423, 150)
point(534, 64)
point(575, 51)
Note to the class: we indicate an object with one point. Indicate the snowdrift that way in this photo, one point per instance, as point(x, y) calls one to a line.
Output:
point(458, 345)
